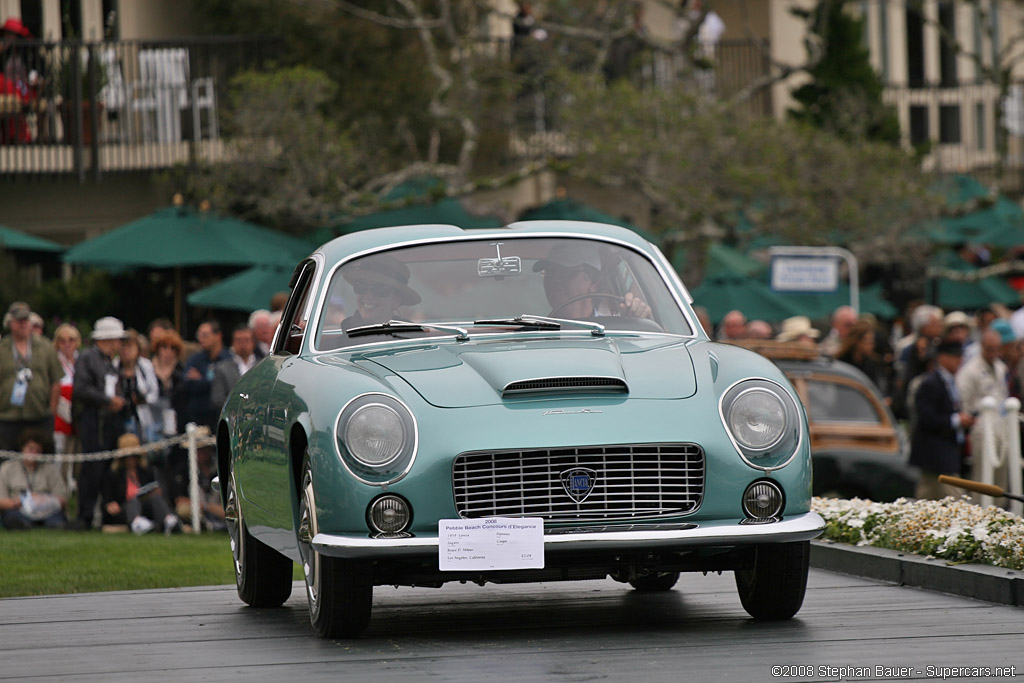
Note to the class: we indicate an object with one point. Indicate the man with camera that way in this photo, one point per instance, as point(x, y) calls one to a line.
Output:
point(30, 374)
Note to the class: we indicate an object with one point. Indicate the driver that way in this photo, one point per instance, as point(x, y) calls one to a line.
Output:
point(573, 270)
point(381, 286)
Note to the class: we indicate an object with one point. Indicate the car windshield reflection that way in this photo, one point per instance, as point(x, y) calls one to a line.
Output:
point(566, 284)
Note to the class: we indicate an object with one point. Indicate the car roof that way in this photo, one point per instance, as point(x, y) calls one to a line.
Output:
point(369, 240)
point(790, 356)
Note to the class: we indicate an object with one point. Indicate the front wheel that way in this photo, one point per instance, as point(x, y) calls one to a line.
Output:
point(774, 589)
point(262, 575)
point(340, 592)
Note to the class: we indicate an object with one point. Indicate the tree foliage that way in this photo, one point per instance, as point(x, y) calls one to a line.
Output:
point(425, 92)
point(844, 95)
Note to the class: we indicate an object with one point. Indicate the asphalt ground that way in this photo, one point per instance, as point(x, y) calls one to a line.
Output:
point(850, 628)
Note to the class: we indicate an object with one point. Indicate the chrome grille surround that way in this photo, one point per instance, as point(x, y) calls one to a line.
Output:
point(632, 481)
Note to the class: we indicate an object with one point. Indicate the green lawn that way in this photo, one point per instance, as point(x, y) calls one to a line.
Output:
point(43, 562)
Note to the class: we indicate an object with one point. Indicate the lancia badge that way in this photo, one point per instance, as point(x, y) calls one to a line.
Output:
point(579, 483)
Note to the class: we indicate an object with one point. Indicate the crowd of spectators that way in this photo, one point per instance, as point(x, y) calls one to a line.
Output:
point(933, 375)
point(123, 397)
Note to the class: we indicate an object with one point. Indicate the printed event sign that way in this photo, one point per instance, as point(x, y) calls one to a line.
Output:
point(805, 274)
point(495, 543)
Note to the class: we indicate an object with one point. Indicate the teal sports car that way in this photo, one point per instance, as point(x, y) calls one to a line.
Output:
point(530, 403)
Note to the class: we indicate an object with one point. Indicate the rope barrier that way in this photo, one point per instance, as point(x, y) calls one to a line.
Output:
point(203, 439)
point(193, 439)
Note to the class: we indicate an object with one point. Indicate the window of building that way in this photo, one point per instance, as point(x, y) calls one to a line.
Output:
point(111, 20)
point(915, 48)
point(71, 19)
point(980, 129)
point(949, 124)
point(32, 17)
point(918, 125)
point(947, 44)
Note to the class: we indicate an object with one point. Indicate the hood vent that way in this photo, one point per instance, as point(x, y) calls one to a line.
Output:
point(583, 385)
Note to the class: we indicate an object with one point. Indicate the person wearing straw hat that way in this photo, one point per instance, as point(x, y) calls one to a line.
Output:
point(798, 329)
point(95, 404)
point(132, 495)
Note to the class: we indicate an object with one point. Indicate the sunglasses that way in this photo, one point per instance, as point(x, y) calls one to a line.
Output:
point(377, 290)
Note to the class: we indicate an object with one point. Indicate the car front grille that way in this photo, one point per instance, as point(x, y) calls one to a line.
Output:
point(624, 481)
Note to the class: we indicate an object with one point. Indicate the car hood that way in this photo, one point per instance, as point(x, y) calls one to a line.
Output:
point(475, 373)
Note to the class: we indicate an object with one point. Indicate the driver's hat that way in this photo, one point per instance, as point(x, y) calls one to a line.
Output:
point(571, 255)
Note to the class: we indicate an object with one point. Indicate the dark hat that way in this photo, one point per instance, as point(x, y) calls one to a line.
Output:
point(950, 347)
point(383, 269)
point(571, 255)
point(19, 310)
point(14, 25)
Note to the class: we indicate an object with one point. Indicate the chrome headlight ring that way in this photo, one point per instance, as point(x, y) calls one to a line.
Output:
point(763, 421)
point(376, 436)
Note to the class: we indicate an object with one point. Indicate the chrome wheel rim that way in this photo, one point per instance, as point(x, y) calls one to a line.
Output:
point(307, 531)
point(233, 518)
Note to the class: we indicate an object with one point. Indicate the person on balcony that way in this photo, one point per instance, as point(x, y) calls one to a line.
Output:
point(18, 84)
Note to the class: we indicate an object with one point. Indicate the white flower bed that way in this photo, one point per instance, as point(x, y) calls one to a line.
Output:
point(953, 529)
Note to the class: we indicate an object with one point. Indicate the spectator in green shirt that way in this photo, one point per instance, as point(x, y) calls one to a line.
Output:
point(30, 374)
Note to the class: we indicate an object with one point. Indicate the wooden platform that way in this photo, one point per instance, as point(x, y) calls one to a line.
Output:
point(597, 630)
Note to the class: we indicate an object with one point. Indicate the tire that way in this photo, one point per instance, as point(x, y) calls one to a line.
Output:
point(263, 576)
point(339, 591)
point(774, 589)
point(655, 583)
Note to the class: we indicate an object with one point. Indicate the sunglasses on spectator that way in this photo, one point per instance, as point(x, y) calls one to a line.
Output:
point(377, 290)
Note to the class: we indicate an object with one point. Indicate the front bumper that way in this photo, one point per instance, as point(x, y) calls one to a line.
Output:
point(627, 537)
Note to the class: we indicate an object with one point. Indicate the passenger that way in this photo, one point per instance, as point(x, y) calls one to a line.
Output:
point(381, 286)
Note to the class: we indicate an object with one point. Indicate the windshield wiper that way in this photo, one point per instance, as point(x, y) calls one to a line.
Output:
point(396, 326)
point(544, 323)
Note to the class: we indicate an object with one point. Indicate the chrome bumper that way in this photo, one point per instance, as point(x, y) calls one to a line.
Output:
point(710, 534)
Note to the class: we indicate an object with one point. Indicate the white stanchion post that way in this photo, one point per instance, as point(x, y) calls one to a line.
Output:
point(1013, 457)
point(193, 475)
point(988, 419)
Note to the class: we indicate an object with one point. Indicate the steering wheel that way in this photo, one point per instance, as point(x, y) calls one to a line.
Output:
point(580, 297)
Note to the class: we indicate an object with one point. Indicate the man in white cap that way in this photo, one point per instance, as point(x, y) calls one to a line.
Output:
point(96, 404)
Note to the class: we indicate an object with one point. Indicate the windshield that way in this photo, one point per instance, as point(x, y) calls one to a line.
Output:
point(493, 282)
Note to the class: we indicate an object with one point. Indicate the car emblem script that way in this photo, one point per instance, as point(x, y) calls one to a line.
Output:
point(579, 483)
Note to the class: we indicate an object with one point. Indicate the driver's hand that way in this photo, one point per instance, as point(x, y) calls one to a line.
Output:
point(635, 306)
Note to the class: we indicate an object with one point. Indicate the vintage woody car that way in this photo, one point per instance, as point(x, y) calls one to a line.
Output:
point(529, 403)
point(857, 448)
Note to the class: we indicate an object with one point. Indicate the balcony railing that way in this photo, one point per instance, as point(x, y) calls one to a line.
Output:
point(92, 108)
point(961, 128)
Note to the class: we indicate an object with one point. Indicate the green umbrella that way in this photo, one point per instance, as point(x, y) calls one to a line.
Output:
point(447, 211)
point(178, 237)
point(246, 291)
point(1001, 224)
point(953, 293)
point(722, 261)
point(181, 236)
point(754, 298)
point(571, 210)
point(14, 240)
point(823, 304)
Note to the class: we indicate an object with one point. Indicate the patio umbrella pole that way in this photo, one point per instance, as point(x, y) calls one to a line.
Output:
point(177, 299)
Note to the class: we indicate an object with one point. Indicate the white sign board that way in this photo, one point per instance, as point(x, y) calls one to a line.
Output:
point(494, 543)
point(805, 274)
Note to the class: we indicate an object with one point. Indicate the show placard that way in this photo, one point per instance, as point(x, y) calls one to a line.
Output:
point(494, 543)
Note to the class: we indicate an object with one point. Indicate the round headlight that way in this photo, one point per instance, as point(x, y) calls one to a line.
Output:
point(757, 419)
point(375, 434)
point(389, 514)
